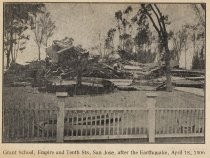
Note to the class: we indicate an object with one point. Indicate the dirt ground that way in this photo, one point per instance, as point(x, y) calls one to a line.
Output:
point(117, 99)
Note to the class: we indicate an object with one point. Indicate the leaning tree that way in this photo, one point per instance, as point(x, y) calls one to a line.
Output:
point(159, 21)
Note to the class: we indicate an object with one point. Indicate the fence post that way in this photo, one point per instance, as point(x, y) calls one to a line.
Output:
point(151, 101)
point(61, 115)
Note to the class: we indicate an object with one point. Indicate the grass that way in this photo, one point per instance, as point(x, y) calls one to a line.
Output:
point(177, 99)
point(24, 95)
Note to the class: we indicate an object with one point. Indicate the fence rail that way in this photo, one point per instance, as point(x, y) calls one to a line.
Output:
point(107, 123)
point(44, 123)
point(179, 122)
point(27, 122)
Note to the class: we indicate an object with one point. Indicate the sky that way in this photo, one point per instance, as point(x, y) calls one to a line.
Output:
point(85, 21)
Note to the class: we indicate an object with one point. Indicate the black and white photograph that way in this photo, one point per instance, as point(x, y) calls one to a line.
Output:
point(107, 73)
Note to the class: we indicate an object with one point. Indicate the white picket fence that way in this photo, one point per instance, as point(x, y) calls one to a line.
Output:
point(46, 123)
point(112, 123)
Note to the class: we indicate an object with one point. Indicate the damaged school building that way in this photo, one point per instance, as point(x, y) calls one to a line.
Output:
point(74, 70)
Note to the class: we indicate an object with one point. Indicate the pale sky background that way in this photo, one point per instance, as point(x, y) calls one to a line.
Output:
point(84, 21)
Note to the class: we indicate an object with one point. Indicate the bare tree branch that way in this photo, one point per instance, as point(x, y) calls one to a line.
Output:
point(151, 19)
point(158, 18)
point(161, 17)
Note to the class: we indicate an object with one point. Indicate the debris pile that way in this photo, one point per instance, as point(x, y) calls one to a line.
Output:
point(70, 68)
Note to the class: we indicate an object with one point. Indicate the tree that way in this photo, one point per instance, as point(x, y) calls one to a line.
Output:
point(16, 21)
point(144, 35)
point(179, 40)
point(199, 10)
point(43, 28)
point(50, 27)
point(198, 62)
point(159, 22)
point(18, 44)
point(118, 16)
point(109, 41)
point(125, 28)
point(199, 31)
point(143, 40)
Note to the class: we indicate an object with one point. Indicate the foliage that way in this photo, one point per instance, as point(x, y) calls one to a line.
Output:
point(143, 36)
point(124, 28)
point(199, 10)
point(199, 30)
point(140, 56)
point(198, 60)
point(126, 55)
point(179, 40)
point(109, 43)
point(151, 12)
point(16, 22)
point(145, 57)
point(43, 27)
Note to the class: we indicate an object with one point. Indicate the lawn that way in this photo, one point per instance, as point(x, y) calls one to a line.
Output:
point(20, 95)
point(133, 121)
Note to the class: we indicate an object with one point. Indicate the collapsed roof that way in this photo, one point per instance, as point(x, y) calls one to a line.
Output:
point(64, 50)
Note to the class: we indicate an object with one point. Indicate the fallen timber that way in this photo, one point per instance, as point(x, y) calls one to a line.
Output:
point(187, 73)
point(89, 85)
point(182, 83)
point(188, 83)
point(195, 78)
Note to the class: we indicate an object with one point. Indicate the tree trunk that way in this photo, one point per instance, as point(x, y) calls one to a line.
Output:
point(8, 59)
point(79, 76)
point(79, 79)
point(120, 40)
point(112, 45)
point(79, 72)
point(168, 71)
point(46, 50)
point(39, 55)
point(9, 54)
